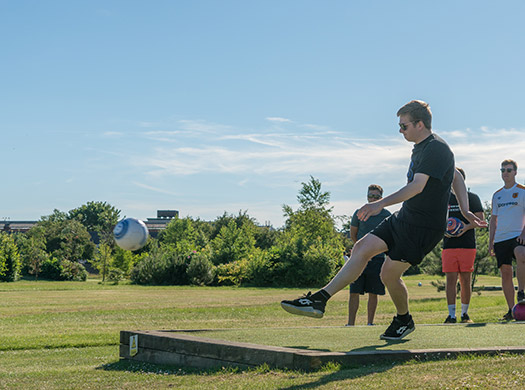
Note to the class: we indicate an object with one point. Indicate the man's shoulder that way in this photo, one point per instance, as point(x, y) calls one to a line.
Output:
point(473, 195)
point(436, 144)
point(521, 187)
point(498, 191)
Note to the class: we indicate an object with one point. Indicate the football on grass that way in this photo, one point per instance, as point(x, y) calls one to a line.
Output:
point(518, 312)
point(130, 234)
point(454, 226)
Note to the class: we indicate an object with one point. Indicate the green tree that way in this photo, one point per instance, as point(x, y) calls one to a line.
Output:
point(9, 258)
point(103, 260)
point(310, 250)
point(98, 217)
point(232, 243)
point(33, 253)
point(66, 239)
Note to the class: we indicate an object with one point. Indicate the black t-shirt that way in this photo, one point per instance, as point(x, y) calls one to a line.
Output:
point(468, 239)
point(428, 209)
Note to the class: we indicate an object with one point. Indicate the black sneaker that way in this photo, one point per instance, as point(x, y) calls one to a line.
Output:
point(398, 329)
point(521, 296)
point(508, 316)
point(450, 320)
point(465, 319)
point(305, 306)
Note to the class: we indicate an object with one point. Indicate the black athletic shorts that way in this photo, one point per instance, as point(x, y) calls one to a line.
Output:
point(505, 251)
point(370, 281)
point(405, 242)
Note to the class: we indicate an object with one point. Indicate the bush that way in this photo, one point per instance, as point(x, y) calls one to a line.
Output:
point(54, 269)
point(161, 267)
point(261, 268)
point(72, 271)
point(115, 275)
point(200, 270)
point(232, 274)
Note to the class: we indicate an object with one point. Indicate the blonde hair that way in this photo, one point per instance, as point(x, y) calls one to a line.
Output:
point(510, 162)
point(417, 110)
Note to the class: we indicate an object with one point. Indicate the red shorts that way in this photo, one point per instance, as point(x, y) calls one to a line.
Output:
point(458, 259)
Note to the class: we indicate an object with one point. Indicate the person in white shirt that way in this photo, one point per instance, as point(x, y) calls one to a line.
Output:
point(507, 233)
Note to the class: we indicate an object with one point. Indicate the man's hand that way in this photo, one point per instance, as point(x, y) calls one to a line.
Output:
point(369, 210)
point(477, 222)
point(491, 249)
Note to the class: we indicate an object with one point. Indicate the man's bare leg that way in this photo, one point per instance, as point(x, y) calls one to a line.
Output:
point(391, 276)
point(519, 252)
point(353, 305)
point(363, 251)
point(371, 308)
point(507, 284)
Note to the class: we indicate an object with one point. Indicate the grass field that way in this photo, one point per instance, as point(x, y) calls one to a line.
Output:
point(62, 335)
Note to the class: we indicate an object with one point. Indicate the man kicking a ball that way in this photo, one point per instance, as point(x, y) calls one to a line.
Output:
point(408, 235)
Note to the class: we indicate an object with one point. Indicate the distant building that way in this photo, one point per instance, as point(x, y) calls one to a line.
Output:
point(156, 225)
point(16, 226)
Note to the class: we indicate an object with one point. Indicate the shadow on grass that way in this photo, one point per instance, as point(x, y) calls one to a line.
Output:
point(334, 372)
point(163, 369)
point(341, 375)
point(307, 348)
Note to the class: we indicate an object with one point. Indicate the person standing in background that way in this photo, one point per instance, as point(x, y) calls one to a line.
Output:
point(369, 281)
point(459, 253)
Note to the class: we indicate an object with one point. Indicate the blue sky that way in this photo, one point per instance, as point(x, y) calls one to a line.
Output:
point(214, 106)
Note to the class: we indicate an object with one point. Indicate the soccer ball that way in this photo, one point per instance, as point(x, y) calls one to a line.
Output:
point(518, 312)
point(454, 225)
point(130, 234)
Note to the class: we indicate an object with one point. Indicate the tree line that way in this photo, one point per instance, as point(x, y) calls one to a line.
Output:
point(231, 250)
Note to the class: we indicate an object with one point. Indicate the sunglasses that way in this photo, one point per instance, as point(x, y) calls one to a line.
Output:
point(403, 126)
point(509, 170)
point(374, 196)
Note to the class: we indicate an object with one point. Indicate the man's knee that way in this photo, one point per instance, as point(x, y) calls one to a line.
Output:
point(519, 252)
point(388, 277)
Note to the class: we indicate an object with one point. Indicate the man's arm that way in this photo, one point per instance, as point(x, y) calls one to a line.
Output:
point(460, 189)
point(353, 233)
point(492, 233)
point(409, 191)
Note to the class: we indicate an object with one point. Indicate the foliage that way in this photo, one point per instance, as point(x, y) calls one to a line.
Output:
point(96, 216)
point(115, 275)
point(103, 259)
point(73, 271)
point(310, 249)
point(162, 266)
point(32, 247)
point(65, 239)
point(233, 273)
point(124, 260)
point(233, 243)
point(55, 269)
point(200, 269)
point(9, 258)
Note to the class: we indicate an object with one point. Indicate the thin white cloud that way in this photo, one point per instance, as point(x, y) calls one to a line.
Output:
point(278, 119)
point(276, 158)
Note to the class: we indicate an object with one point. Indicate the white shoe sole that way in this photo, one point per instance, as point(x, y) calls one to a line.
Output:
point(304, 311)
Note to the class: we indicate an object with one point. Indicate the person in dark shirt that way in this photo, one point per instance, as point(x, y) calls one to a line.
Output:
point(459, 253)
point(408, 235)
point(369, 281)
